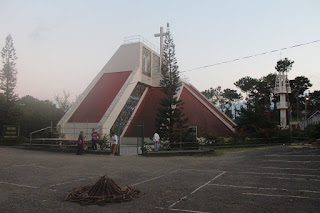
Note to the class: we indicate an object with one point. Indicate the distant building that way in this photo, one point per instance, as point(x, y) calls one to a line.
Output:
point(312, 120)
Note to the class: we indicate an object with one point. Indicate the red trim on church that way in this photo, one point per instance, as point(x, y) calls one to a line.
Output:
point(99, 99)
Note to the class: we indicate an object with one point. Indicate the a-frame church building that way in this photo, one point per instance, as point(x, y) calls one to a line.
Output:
point(126, 93)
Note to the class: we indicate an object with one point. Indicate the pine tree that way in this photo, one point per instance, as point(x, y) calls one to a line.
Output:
point(170, 116)
point(8, 80)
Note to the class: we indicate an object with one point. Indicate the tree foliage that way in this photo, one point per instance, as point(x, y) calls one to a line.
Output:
point(314, 104)
point(215, 96)
point(298, 87)
point(37, 114)
point(8, 81)
point(256, 124)
point(284, 65)
point(63, 101)
point(170, 118)
point(231, 96)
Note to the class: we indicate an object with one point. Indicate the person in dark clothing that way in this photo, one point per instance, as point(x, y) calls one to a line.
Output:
point(80, 143)
point(94, 139)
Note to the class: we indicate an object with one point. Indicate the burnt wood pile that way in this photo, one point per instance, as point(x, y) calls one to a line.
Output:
point(105, 191)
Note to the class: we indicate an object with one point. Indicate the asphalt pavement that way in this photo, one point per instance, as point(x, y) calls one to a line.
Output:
point(269, 179)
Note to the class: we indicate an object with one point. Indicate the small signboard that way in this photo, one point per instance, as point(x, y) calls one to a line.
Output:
point(11, 131)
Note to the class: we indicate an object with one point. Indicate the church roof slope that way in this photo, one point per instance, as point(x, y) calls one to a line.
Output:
point(201, 116)
point(97, 102)
point(206, 117)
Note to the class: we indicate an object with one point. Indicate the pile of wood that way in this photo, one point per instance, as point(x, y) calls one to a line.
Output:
point(105, 191)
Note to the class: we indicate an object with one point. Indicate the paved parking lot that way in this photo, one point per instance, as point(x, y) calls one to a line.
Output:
point(276, 179)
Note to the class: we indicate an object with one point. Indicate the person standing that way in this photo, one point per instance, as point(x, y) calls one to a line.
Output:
point(80, 143)
point(114, 141)
point(94, 139)
point(156, 141)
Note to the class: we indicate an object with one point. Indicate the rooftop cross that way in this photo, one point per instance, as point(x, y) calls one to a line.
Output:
point(161, 35)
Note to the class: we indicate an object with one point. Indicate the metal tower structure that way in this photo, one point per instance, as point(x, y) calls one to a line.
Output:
point(282, 87)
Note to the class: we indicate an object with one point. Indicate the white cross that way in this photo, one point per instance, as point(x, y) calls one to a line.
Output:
point(161, 35)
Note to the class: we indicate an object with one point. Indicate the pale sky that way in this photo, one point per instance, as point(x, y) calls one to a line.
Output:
point(63, 45)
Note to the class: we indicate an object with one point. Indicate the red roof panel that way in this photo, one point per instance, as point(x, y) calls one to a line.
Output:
point(98, 100)
point(210, 105)
point(198, 114)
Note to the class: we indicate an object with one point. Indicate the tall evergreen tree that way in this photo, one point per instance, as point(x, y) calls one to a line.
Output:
point(8, 81)
point(170, 118)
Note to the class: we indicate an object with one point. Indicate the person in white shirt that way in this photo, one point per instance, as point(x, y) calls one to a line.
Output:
point(156, 140)
point(114, 141)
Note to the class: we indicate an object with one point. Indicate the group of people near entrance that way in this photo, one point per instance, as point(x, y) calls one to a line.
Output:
point(94, 140)
point(114, 142)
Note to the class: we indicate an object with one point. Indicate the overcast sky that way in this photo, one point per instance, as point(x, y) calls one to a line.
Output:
point(63, 45)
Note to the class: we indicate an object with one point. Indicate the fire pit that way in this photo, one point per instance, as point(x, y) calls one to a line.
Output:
point(105, 191)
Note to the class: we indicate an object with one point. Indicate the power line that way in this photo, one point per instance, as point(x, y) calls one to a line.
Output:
point(250, 56)
point(238, 59)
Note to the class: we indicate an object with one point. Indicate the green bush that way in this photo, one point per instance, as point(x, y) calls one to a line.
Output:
point(313, 131)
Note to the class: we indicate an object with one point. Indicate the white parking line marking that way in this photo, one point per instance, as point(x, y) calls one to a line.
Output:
point(270, 167)
point(202, 170)
point(246, 187)
point(262, 173)
point(154, 178)
point(261, 188)
point(286, 196)
point(279, 155)
point(14, 184)
point(185, 197)
point(27, 165)
point(293, 161)
point(181, 210)
point(77, 180)
point(184, 210)
point(300, 179)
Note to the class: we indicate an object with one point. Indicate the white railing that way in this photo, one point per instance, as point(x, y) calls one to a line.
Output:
point(282, 90)
point(139, 38)
point(40, 130)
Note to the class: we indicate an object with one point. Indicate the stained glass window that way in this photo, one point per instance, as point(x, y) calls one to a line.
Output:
point(128, 108)
point(156, 64)
point(146, 62)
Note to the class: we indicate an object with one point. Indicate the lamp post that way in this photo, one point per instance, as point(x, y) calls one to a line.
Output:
point(305, 107)
point(307, 98)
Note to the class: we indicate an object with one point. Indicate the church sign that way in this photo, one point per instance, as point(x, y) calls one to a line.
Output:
point(11, 131)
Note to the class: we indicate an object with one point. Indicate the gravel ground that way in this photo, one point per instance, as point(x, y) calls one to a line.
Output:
point(276, 179)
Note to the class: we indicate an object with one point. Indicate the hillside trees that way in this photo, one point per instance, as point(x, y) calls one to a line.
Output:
point(37, 114)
